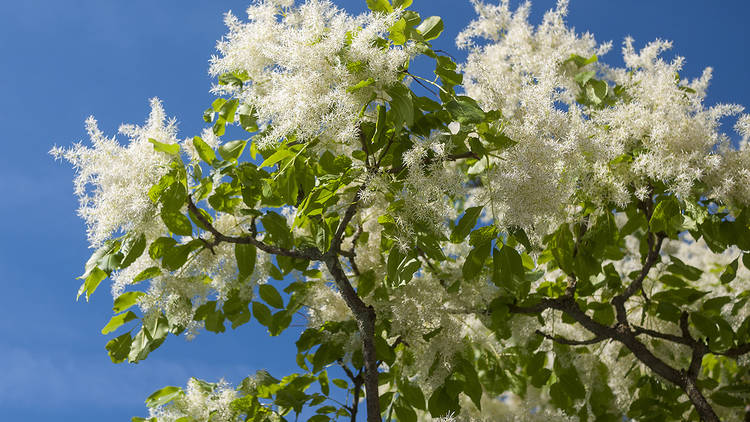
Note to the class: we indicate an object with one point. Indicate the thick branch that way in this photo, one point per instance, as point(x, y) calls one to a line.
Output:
point(735, 351)
point(365, 316)
point(621, 332)
point(657, 334)
point(654, 246)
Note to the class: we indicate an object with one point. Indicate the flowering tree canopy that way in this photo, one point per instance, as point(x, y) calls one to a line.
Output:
point(530, 234)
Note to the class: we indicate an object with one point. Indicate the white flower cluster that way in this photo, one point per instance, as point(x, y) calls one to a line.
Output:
point(565, 151)
point(112, 183)
point(113, 180)
point(201, 402)
point(303, 62)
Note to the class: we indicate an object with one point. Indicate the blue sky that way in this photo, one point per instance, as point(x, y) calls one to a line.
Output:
point(64, 61)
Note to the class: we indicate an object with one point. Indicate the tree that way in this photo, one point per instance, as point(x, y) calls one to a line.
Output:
point(532, 232)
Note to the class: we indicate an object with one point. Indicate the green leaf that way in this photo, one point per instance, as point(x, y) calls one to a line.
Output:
point(262, 313)
point(365, 283)
point(731, 272)
point(667, 217)
point(208, 115)
point(218, 103)
point(441, 402)
point(159, 247)
point(246, 256)
point(92, 282)
point(604, 313)
point(508, 271)
point(271, 296)
point(445, 68)
point(679, 297)
point(163, 396)
point(361, 84)
point(276, 157)
point(204, 151)
point(176, 222)
point(561, 245)
point(118, 320)
point(584, 76)
point(402, 4)
point(149, 272)
point(228, 109)
point(472, 386)
point(176, 256)
point(277, 229)
point(401, 105)
point(465, 224)
point(232, 150)
point(683, 269)
point(171, 149)
point(126, 300)
point(133, 249)
point(431, 28)
point(139, 348)
point(474, 262)
point(404, 413)
point(705, 325)
point(119, 347)
point(379, 6)
point(397, 32)
point(173, 197)
point(483, 235)
point(411, 393)
point(465, 110)
point(105, 258)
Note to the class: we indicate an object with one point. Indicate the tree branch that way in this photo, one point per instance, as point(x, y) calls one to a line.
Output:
point(364, 314)
point(569, 342)
point(622, 333)
point(654, 246)
point(311, 253)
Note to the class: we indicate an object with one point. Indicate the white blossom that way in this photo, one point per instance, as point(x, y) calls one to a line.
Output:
point(302, 65)
point(112, 180)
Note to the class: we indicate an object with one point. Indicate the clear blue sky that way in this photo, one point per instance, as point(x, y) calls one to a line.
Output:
point(65, 60)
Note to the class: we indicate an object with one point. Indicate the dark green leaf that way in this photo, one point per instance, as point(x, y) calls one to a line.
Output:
point(465, 110)
point(731, 272)
point(245, 254)
point(119, 347)
point(262, 313)
point(465, 224)
point(401, 105)
point(271, 296)
point(474, 262)
point(177, 222)
point(133, 249)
